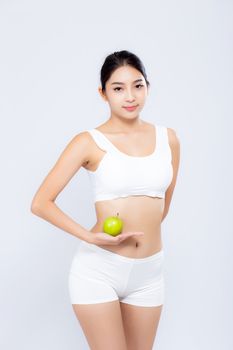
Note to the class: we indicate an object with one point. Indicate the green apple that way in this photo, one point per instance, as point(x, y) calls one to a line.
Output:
point(113, 225)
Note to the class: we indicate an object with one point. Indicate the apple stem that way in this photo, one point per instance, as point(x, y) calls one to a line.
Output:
point(117, 214)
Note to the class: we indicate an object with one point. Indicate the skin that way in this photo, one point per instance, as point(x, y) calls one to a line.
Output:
point(135, 137)
point(125, 130)
point(114, 325)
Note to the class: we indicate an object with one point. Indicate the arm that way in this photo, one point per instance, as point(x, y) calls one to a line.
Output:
point(43, 204)
point(175, 149)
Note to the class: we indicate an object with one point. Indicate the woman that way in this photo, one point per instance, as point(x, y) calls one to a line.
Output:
point(116, 283)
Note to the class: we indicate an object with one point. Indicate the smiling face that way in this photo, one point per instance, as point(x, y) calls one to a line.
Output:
point(126, 87)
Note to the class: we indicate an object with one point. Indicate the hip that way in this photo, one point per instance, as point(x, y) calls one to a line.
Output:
point(91, 261)
point(137, 247)
point(98, 275)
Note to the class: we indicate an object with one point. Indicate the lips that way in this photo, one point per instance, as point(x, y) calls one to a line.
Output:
point(130, 108)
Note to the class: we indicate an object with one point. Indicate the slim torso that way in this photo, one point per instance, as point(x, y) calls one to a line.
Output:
point(139, 213)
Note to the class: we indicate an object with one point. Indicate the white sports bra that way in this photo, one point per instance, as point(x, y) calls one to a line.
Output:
point(122, 175)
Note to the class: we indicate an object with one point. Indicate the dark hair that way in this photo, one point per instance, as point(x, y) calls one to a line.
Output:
point(119, 59)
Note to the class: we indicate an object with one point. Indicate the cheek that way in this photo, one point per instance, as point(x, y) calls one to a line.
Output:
point(142, 93)
point(142, 96)
point(115, 100)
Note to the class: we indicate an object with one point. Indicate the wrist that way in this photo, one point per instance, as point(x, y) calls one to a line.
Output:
point(89, 237)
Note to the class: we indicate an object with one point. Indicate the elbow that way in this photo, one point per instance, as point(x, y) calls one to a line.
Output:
point(37, 207)
point(164, 215)
point(34, 208)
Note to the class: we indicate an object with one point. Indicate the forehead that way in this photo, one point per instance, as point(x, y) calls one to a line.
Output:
point(125, 74)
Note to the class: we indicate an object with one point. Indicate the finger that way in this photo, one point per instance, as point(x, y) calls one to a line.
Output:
point(126, 236)
point(130, 233)
point(139, 233)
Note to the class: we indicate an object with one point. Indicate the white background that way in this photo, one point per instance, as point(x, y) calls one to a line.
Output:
point(51, 55)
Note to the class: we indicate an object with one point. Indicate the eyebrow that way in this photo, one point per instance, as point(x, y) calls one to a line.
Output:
point(120, 83)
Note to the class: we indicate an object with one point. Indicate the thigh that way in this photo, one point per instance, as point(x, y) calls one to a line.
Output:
point(142, 303)
point(140, 325)
point(91, 278)
point(102, 325)
point(90, 290)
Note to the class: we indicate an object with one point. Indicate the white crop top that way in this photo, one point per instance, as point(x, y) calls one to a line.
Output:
point(122, 175)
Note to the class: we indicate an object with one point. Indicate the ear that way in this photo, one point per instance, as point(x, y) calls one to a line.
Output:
point(102, 94)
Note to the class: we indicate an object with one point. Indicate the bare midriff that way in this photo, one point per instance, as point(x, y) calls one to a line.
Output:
point(139, 213)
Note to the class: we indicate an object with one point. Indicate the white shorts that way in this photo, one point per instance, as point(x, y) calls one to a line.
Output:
point(98, 275)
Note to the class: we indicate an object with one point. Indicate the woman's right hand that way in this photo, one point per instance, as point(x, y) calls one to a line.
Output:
point(102, 238)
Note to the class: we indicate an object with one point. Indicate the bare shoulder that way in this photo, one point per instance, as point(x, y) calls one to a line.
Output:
point(73, 156)
point(172, 137)
point(82, 137)
point(174, 143)
point(81, 142)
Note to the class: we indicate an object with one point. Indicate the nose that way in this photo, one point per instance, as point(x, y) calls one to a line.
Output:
point(129, 96)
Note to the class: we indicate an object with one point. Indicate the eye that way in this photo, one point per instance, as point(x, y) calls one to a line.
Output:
point(140, 85)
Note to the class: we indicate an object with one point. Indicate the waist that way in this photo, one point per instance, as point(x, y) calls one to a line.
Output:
point(136, 247)
point(125, 256)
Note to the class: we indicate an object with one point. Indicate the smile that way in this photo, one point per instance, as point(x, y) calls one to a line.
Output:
point(132, 108)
